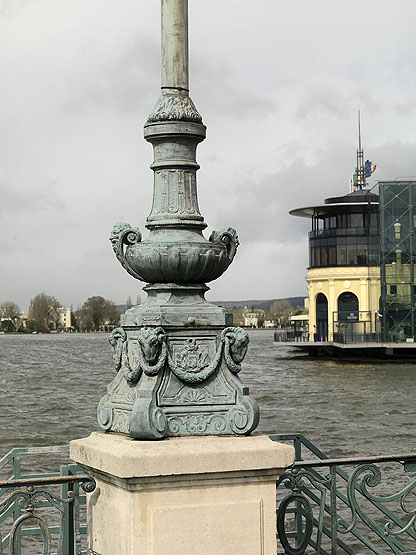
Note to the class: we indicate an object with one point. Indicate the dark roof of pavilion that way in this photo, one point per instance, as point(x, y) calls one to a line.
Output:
point(338, 205)
point(362, 195)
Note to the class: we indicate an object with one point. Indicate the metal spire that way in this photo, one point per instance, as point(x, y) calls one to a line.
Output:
point(360, 169)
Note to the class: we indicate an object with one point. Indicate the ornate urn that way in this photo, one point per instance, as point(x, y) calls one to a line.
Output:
point(177, 356)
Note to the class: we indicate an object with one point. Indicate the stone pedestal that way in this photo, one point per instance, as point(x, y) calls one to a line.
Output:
point(185, 495)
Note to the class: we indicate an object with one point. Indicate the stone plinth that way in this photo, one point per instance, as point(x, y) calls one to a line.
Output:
point(186, 495)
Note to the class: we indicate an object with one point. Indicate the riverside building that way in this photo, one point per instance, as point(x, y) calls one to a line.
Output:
point(344, 266)
point(360, 276)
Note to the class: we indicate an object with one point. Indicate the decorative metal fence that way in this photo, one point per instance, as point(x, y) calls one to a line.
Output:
point(283, 336)
point(345, 505)
point(356, 326)
point(324, 506)
point(42, 511)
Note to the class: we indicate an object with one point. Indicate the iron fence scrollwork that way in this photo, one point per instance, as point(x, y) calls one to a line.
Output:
point(43, 506)
point(321, 508)
point(329, 511)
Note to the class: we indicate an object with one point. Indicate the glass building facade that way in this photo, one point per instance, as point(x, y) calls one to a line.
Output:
point(345, 233)
point(397, 259)
point(361, 274)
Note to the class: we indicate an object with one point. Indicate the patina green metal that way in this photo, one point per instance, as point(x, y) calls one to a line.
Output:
point(335, 511)
point(45, 505)
point(177, 356)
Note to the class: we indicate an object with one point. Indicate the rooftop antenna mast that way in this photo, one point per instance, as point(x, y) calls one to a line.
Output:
point(360, 168)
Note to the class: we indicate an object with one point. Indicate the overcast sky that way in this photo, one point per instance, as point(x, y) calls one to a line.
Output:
point(278, 85)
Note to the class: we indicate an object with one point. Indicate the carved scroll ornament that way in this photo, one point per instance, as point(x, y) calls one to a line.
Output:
point(227, 237)
point(123, 234)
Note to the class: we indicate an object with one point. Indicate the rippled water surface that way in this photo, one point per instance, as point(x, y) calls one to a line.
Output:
point(50, 386)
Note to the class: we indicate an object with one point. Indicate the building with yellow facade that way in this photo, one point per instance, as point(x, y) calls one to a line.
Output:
point(344, 267)
point(361, 274)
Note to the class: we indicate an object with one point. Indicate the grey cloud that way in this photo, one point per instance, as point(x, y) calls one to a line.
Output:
point(261, 213)
point(394, 160)
point(405, 109)
point(322, 102)
point(22, 201)
point(12, 7)
point(119, 80)
point(280, 101)
point(219, 84)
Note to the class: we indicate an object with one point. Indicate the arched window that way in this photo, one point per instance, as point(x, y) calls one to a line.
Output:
point(321, 317)
point(348, 307)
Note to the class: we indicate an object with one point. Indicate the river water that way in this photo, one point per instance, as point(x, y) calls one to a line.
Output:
point(50, 386)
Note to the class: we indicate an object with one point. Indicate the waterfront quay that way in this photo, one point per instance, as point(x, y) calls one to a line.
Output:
point(371, 350)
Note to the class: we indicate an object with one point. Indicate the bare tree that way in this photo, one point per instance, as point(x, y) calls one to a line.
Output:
point(45, 310)
point(11, 312)
point(281, 311)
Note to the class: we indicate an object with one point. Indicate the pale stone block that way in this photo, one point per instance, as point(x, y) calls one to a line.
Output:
point(205, 533)
point(187, 496)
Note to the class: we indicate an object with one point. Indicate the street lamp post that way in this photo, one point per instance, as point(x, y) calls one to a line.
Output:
point(177, 359)
point(177, 356)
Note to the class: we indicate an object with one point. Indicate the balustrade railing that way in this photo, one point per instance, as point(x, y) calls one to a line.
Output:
point(324, 506)
point(40, 513)
point(284, 336)
point(343, 505)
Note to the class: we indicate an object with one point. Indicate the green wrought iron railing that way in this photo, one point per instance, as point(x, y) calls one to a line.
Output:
point(330, 508)
point(41, 512)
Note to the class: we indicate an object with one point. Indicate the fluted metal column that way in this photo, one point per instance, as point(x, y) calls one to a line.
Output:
point(175, 63)
point(175, 128)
